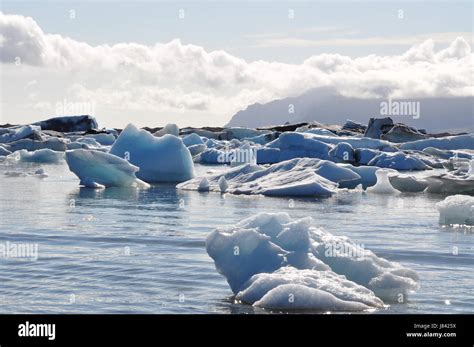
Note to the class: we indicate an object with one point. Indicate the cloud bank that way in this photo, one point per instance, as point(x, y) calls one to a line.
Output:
point(187, 84)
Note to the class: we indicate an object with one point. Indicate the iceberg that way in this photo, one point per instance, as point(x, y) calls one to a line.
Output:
point(296, 177)
point(290, 146)
point(269, 256)
point(97, 169)
point(160, 159)
point(456, 209)
point(192, 139)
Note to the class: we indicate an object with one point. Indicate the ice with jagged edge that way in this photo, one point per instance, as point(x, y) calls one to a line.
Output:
point(296, 177)
point(269, 257)
point(160, 159)
point(98, 169)
point(456, 209)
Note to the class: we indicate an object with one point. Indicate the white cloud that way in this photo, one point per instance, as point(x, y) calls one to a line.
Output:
point(189, 85)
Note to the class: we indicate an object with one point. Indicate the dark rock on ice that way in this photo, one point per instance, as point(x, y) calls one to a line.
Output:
point(69, 123)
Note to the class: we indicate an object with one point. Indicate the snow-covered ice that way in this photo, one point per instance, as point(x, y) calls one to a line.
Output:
point(160, 159)
point(456, 209)
point(97, 169)
point(296, 177)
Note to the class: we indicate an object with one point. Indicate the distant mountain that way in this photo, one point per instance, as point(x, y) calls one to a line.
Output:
point(325, 105)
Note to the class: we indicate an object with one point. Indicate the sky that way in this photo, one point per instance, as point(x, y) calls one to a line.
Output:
point(197, 63)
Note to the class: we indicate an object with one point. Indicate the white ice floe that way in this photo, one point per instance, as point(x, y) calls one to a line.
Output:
point(170, 129)
point(456, 209)
point(408, 184)
point(296, 177)
point(160, 159)
point(445, 143)
point(39, 156)
point(383, 185)
point(97, 169)
point(321, 271)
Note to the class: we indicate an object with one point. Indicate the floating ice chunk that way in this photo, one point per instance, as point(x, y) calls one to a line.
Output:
point(192, 139)
point(171, 129)
point(97, 169)
point(160, 159)
point(297, 177)
point(398, 161)
point(53, 143)
point(265, 251)
point(366, 173)
point(223, 185)
point(103, 139)
point(449, 143)
point(408, 184)
point(38, 156)
point(342, 152)
point(449, 184)
point(383, 185)
point(203, 185)
point(18, 133)
point(456, 209)
point(294, 145)
point(196, 149)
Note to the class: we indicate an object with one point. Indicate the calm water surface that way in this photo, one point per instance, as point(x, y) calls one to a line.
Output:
point(128, 251)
